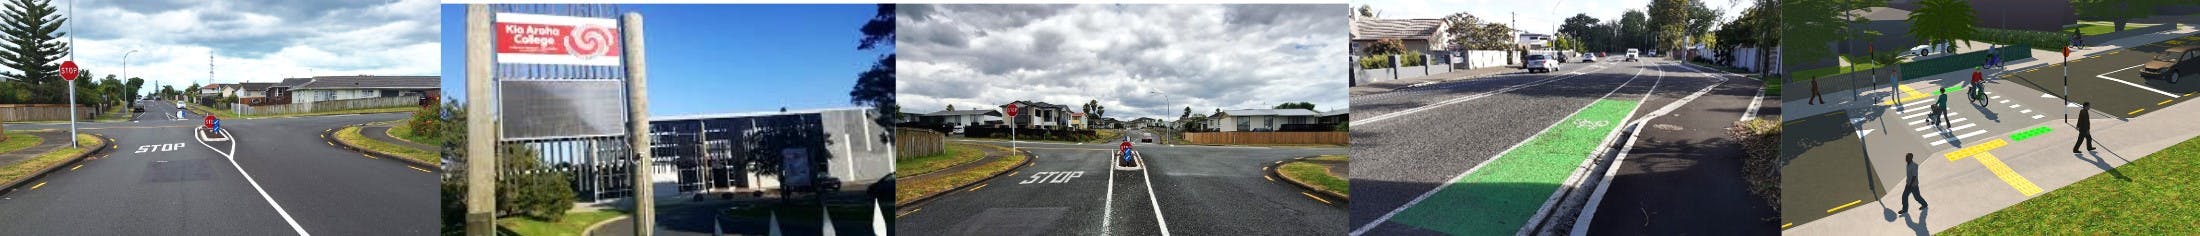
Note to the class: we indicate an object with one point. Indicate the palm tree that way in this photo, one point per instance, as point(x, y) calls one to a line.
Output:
point(1942, 21)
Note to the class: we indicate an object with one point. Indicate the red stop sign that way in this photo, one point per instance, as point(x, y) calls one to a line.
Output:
point(1126, 145)
point(1011, 109)
point(68, 70)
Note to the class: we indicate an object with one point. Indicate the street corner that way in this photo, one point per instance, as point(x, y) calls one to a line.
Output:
point(1322, 178)
point(1828, 170)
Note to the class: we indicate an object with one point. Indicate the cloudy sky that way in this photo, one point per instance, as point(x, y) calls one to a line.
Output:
point(1137, 60)
point(1534, 16)
point(253, 40)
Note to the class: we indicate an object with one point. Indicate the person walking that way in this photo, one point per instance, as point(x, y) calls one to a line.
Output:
point(1814, 98)
point(1909, 190)
point(1940, 107)
point(2085, 129)
point(1894, 90)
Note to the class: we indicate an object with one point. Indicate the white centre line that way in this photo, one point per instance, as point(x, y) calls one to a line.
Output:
point(2105, 76)
point(1155, 202)
point(232, 157)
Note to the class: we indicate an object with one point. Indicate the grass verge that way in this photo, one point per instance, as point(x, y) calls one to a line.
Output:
point(906, 190)
point(1312, 172)
point(350, 134)
point(403, 130)
point(957, 153)
point(2155, 195)
point(573, 224)
point(19, 141)
point(49, 159)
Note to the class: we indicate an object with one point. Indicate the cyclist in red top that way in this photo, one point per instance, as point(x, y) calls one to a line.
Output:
point(1978, 88)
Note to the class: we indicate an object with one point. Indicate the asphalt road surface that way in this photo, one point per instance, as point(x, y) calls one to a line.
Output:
point(1072, 189)
point(280, 179)
point(1410, 142)
point(1686, 158)
point(2111, 80)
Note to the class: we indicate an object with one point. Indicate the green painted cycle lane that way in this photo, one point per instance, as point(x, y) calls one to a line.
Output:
point(1500, 196)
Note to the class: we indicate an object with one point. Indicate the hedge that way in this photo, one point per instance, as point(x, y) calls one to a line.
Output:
point(1958, 62)
point(2042, 40)
point(1383, 61)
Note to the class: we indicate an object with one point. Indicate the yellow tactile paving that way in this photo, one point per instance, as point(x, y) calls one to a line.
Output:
point(1975, 150)
point(1908, 94)
point(2008, 176)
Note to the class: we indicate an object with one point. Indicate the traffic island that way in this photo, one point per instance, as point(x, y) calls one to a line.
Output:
point(349, 137)
point(913, 191)
point(20, 175)
point(1323, 175)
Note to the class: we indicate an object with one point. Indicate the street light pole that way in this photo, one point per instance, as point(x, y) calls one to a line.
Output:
point(126, 66)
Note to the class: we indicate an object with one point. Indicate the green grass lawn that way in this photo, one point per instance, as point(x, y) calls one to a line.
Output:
point(957, 153)
point(1318, 175)
point(19, 141)
point(350, 134)
point(2091, 28)
point(573, 223)
point(2156, 195)
point(42, 161)
point(906, 190)
point(1807, 75)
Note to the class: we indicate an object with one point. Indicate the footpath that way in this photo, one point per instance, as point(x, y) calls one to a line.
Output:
point(1396, 84)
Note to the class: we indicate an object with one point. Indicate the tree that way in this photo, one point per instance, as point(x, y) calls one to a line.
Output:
point(1942, 21)
point(950, 107)
point(1366, 11)
point(875, 87)
point(529, 189)
point(1585, 32)
point(2119, 11)
point(1472, 34)
point(1634, 29)
point(32, 50)
point(1188, 112)
point(1669, 18)
point(1816, 23)
point(1296, 105)
point(1700, 20)
point(133, 86)
point(1384, 47)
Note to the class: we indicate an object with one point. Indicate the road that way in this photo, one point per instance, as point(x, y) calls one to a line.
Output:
point(2111, 80)
point(1418, 145)
point(280, 179)
point(1071, 189)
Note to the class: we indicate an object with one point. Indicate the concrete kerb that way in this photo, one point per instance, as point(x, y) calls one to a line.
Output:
point(101, 147)
point(330, 135)
point(1276, 170)
point(922, 199)
point(591, 229)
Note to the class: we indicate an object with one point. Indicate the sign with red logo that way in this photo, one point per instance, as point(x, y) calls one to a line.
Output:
point(1012, 110)
point(560, 40)
point(68, 70)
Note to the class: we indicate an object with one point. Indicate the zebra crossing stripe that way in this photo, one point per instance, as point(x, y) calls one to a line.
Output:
point(1960, 137)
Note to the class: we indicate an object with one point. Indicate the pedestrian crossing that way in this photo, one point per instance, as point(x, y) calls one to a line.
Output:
point(1917, 116)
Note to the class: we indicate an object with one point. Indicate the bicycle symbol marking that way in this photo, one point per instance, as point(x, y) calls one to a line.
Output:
point(1584, 123)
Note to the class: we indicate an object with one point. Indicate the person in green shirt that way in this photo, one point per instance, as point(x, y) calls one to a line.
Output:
point(1940, 107)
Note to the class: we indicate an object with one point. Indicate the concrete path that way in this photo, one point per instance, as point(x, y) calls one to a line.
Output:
point(990, 156)
point(1396, 84)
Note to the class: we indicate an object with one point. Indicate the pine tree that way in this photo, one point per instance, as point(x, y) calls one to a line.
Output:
point(32, 49)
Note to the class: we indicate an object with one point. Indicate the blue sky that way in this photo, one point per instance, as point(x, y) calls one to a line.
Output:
point(728, 58)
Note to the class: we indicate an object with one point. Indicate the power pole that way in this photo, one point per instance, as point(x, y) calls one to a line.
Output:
point(637, 93)
point(481, 160)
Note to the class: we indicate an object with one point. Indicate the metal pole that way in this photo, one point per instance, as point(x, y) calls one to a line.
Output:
point(637, 75)
point(72, 83)
point(481, 159)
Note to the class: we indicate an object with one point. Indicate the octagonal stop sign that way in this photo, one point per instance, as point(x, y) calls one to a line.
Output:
point(68, 70)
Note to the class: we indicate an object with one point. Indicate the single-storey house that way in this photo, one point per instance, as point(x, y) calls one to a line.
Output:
point(330, 88)
point(1039, 115)
point(961, 118)
point(1425, 36)
point(1261, 119)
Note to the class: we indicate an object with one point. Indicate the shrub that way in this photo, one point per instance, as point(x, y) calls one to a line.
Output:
point(1760, 140)
point(2041, 40)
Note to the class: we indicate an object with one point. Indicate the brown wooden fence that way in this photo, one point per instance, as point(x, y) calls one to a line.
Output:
point(40, 112)
point(910, 142)
point(322, 106)
point(1330, 138)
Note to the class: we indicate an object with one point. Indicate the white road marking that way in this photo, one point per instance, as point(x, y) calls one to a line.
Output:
point(1920, 102)
point(2105, 76)
point(232, 157)
point(1447, 183)
point(1107, 207)
point(1156, 202)
point(2036, 117)
point(2026, 111)
point(2012, 106)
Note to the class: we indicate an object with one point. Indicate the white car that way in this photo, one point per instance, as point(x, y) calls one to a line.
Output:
point(1632, 53)
point(1540, 63)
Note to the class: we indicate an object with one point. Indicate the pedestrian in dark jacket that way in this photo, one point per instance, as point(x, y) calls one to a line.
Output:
point(1909, 190)
point(2085, 129)
point(1814, 98)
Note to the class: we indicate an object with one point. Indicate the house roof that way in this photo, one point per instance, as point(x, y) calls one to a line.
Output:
point(291, 82)
point(371, 82)
point(1270, 112)
point(256, 86)
point(1039, 105)
point(964, 112)
point(1341, 111)
point(1373, 29)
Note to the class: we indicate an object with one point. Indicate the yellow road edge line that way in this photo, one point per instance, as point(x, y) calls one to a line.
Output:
point(368, 156)
point(1844, 206)
point(976, 188)
point(77, 166)
point(1788, 224)
point(1309, 195)
point(2165, 101)
point(2135, 112)
point(419, 169)
point(1014, 173)
point(911, 211)
point(1270, 179)
point(2011, 177)
point(40, 184)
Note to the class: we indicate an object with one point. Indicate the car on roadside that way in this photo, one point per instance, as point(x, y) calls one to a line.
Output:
point(1589, 57)
point(1540, 63)
point(1147, 139)
point(137, 107)
point(2171, 64)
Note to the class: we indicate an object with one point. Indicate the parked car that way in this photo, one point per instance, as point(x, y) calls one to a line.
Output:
point(1592, 57)
point(2171, 64)
point(137, 107)
point(1632, 53)
point(1147, 139)
point(1540, 64)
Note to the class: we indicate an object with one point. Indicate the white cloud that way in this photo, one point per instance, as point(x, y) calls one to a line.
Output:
point(1137, 60)
point(255, 41)
point(1533, 16)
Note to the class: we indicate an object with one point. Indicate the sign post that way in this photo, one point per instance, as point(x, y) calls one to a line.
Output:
point(1011, 126)
point(2066, 82)
point(68, 75)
